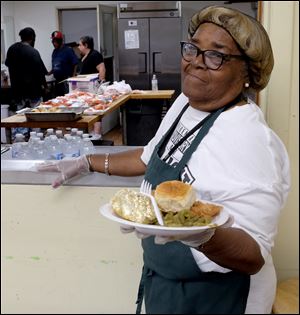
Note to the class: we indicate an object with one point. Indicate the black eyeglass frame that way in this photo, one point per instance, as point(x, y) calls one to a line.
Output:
point(225, 57)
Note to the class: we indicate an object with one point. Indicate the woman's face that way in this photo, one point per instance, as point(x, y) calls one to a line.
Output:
point(83, 48)
point(209, 89)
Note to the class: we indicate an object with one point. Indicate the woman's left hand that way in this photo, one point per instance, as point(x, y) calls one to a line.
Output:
point(194, 240)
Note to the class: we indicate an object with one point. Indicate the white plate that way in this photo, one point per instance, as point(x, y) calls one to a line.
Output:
point(218, 220)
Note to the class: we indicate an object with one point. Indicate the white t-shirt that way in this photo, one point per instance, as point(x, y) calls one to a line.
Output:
point(243, 165)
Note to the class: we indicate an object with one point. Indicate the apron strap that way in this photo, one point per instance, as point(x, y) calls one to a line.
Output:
point(163, 142)
point(140, 295)
point(201, 134)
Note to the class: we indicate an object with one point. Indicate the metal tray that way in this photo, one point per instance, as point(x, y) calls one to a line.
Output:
point(64, 116)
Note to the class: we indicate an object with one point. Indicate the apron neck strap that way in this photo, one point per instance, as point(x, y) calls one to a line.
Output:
point(212, 116)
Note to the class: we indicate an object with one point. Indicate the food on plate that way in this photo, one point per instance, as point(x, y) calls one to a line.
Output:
point(174, 196)
point(186, 218)
point(133, 206)
point(176, 200)
point(42, 109)
point(207, 209)
point(199, 214)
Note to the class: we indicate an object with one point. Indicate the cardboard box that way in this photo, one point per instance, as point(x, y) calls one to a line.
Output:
point(85, 83)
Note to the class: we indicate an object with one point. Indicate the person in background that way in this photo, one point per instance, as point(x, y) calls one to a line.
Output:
point(216, 139)
point(27, 73)
point(92, 62)
point(64, 63)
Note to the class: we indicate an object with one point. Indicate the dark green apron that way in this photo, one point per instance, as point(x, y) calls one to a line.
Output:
point(172, 282)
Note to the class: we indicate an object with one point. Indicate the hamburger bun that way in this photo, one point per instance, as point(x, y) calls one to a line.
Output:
point(174, 196)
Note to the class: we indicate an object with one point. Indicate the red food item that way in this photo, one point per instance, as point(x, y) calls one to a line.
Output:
point(47, 103)
point(100, 107)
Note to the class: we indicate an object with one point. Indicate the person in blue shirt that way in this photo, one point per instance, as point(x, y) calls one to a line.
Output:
point(64, 63)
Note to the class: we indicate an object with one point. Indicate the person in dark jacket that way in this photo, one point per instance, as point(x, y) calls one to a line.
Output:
point(27, 74)
point(64, 63)
point(26, 70)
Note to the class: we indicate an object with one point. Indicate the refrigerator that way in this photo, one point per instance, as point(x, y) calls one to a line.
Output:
point(149, 35)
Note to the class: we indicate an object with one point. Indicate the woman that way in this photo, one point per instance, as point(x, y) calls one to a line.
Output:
point(92, 62)
point(230, 156)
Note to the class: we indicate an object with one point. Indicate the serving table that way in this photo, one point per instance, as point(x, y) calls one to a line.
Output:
point(86, 121)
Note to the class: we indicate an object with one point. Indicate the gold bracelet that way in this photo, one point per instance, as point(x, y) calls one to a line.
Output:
point(106, 164)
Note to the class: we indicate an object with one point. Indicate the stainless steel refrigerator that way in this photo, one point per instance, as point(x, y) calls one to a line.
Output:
point(149, 37)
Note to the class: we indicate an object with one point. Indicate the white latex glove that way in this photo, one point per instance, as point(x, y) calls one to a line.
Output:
point(67, 169)
point(194, 240)
point(129, 229)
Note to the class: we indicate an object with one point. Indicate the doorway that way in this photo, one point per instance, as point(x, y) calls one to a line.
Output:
point(99, 23)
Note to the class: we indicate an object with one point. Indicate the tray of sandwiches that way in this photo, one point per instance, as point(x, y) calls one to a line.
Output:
point(90, 103)
point(49, 113)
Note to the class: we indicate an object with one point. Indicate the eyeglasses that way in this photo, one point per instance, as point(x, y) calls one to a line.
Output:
point(212, 59)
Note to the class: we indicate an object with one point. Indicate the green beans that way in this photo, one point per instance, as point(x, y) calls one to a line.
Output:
point(185, 218)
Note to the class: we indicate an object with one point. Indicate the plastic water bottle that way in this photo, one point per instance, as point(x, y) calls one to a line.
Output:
point(41, 152)
point(68, 148)
point(49, 132)
point(33, 147)
point(87, 147)
point(79, 140)
point(154, 83)
point(32, 135)
point(80, 133)
point(74, 131)
point(17, 146)
point(76, 146)
point(71, 148)
point(55, 150)
point(85, 135)
point(59, 134)
point(40, 135)
point(61, 140)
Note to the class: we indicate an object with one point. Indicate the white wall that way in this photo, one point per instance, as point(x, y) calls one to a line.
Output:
point(7, 25)
point(42, 17)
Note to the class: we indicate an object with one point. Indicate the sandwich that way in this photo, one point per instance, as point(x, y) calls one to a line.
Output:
point(178, 201)
point(174, 196)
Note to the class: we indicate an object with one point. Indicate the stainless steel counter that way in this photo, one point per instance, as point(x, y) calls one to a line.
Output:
point(15, 171)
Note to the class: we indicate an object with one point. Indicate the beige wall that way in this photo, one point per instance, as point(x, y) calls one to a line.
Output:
point(60, 256)
point(280, 102)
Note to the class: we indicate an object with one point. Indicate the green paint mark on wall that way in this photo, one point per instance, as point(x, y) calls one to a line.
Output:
point(35, 257)
point(106, 262)
point(9, 257)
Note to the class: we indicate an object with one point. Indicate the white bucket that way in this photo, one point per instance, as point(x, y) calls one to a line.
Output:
point(4, 114)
